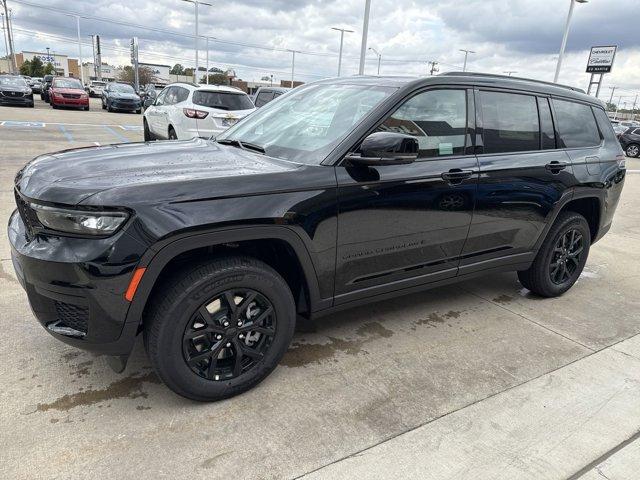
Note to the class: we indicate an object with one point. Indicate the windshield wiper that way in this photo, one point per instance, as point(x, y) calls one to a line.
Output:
point(244, 145)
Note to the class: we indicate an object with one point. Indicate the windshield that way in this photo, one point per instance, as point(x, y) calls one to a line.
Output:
point(306, 124)
point(66, 83)
point(122, 88)
point(98, 84)
point(13, 81)
point(222, 100)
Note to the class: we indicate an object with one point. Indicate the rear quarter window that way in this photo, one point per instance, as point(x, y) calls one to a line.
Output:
point(222, 100)
point(605, 125)
point(576, 124)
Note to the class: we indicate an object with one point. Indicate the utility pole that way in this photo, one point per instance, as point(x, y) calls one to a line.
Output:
point(613, 89)
point(79, 49)
point(633, 109)
point(342, 31)
point(466, 54)
point(99, 57)
point(365, 32)
point(434, 67)
point(14, 65)
point(564, 38)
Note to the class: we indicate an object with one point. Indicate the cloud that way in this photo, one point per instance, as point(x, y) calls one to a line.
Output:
point(521, 35)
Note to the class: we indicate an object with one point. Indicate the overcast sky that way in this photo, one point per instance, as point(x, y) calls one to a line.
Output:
point(520, 35)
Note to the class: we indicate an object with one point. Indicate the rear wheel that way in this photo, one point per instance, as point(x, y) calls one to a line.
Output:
point(561, 257)
point(632, 150)
point(219, 328)
point(172, 134)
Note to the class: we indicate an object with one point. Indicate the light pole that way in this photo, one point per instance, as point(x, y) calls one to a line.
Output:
point(7, 16)
point(342, 31)
point(365, 31)
point(564, 38)
point(197, 3)
point(379, 57)
point(509, 72)
point(212, 38)
point(466, 54)
point(79, 45)
point(293, 65)
point(6, 48)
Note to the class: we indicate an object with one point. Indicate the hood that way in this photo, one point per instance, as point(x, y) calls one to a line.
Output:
point(13, 88)
point(145, 172)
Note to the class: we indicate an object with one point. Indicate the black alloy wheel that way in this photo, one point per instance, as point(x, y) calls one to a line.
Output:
point(566, 256)
point(229, 335)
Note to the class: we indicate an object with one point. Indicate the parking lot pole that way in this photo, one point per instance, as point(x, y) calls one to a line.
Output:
point(6, 47)
point(79, 48)
point(341, 30)
point(293, 66)
point(365, 31)
point(14, 65)
point(564, 38)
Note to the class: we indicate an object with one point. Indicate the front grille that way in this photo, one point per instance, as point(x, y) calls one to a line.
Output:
point(72, 316)
point(71, 95)
point(13, 94)
point(28, 215)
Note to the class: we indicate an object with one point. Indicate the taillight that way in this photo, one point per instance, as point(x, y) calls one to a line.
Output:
point(193, 113)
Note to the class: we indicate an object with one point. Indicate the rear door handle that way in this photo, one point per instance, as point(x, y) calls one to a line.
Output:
point(555, 167)
point(456, 175)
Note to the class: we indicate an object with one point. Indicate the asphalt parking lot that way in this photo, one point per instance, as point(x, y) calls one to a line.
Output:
point(479, 380)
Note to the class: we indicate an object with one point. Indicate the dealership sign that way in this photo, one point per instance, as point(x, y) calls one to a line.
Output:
point(601, 59)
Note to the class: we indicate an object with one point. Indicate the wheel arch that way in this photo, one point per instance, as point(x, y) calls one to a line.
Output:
point(588, 202)
point(253, 241)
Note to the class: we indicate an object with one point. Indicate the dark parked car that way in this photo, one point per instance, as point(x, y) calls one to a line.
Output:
point(630, 141)
point(15, 91)
point(68, 92)
point(120, 96)
point(46, 85)
point(266, 94)
point(212, 249)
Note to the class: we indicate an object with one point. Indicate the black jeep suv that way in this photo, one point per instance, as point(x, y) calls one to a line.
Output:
point(344, 192)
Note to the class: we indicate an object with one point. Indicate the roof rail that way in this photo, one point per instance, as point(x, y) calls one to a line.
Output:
point(508, 77)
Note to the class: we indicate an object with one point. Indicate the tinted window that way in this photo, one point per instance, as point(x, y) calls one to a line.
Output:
point(171, 96)
point(222, 100)
point(636, 131)
point(66, 83)
point(263, 98)
point(437, 118)
point(510, 122)
point(122, 88)
point(546, 124)
point(605, 126)
point(576, 124)
point(161, 97)
point(181, 94)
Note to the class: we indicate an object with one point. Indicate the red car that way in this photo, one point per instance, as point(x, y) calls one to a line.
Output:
point(68, 92)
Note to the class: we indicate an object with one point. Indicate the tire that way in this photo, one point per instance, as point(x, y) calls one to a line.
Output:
point(109, 108)
point(172, 134)
point(54, 106)
point(546, 276)
point(632, 150)
point(139, 111)
point(104, 107)
point(148, 137)
point(32, 105)
point(86, 109)
point(190, 292)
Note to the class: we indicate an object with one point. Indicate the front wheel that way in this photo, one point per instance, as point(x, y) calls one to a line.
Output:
point(147, 133)
point(632, 150)
point(219, 328)
point(561, 257)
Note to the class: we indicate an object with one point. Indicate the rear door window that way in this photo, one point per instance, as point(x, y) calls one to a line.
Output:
point(222, 100)
point(510, 122)
point(576, 125)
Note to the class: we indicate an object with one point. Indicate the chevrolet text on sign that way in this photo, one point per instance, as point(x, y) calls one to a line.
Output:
point(601, 59)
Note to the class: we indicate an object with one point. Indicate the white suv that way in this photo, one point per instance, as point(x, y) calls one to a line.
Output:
point(185, 110)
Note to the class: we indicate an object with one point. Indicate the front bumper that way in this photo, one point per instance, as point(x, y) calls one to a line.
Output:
point(76, 286)
point(70, 102)
point(126, 105)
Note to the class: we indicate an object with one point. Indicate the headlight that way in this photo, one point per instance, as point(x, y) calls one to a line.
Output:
point(78, 221)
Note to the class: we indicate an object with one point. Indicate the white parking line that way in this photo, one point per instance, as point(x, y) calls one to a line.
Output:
point(14, 123)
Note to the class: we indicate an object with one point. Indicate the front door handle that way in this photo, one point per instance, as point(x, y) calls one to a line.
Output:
point(555, 167)
point(456, 175)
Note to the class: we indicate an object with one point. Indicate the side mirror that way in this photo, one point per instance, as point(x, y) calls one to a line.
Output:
point(386, 148)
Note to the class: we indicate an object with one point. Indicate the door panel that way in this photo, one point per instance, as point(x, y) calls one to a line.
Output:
point(401, 222)
point(403, 225)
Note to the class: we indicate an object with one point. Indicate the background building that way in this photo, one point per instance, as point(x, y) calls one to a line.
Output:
point(65, 66)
